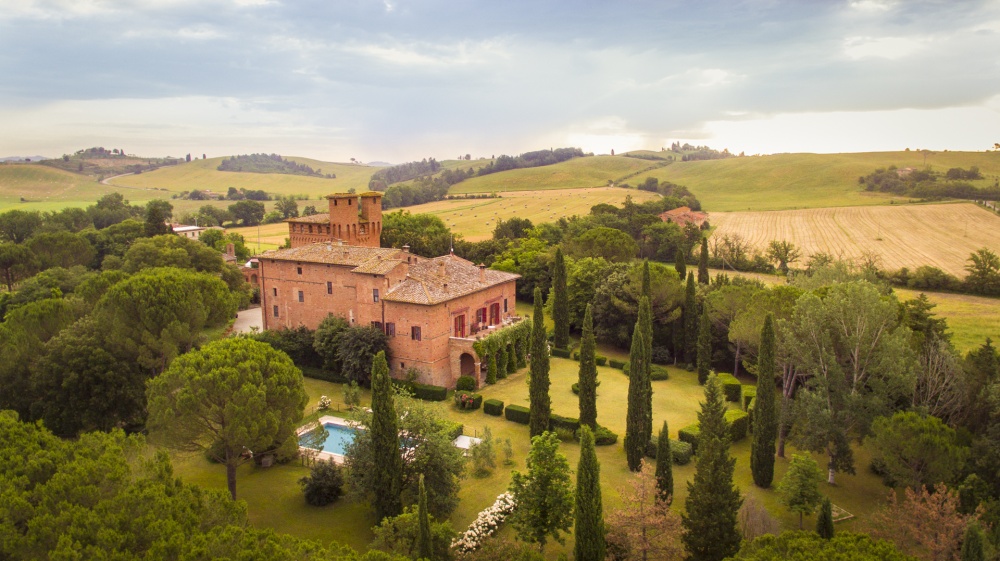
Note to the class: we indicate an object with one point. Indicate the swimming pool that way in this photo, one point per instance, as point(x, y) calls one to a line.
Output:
point(338, 440)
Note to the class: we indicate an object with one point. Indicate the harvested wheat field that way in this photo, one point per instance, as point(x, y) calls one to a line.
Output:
point(941, 235)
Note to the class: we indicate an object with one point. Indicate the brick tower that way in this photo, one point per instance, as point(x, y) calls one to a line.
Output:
point(361, 227)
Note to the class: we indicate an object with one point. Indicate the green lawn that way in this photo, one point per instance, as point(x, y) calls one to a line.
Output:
point(590, 171)
point(275, 501)
point(971, 319)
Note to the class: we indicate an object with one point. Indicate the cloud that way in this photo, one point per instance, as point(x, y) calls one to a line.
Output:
point(891, 48)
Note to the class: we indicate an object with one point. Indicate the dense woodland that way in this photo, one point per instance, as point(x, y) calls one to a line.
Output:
point(929, 184)
point(269, 163)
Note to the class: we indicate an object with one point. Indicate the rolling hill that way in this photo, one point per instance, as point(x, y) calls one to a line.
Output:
point(590, 171)
point(36, 187)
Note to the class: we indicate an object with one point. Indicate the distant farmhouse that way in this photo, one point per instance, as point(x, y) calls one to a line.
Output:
point(682, 216)
point(432, 310)
point(190, 232)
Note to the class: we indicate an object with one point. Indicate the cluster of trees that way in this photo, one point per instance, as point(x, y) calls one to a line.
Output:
point(692, 153)
point(422, 190)
point(403, 172)
point(269, 163)
point(929, 184)
point(234, 194)
point(534, 159)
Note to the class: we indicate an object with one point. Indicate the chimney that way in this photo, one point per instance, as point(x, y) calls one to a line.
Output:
point(406, 248)
point(230, 249)
point(441, 270)
point(482, 273)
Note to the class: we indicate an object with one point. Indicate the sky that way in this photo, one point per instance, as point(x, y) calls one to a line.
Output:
point(393, 80)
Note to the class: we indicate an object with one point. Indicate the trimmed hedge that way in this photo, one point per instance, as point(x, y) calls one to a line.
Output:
point(469, 401)
point(690, 435)
point(658, 374)
point(493, 407)
point(730, 386)
point(750, 408)
point(681, 451)
point(604, 437)
point(427, 392)
point(576, 388)
point(739, 424)
point(619, 364)
point(454, 430)
point(465, 383)
point(325, 375)
point(561, 353)
point(748, 392)
point(560, 422)
point(600, 360)
point(517, 414)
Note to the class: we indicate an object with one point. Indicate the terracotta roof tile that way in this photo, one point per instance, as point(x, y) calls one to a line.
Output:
point(431, 281)
point(322, 218)
point(332, 254)
point(377, 266)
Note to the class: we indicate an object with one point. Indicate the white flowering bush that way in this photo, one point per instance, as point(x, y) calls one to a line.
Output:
point(485, 524)
point(324, 403)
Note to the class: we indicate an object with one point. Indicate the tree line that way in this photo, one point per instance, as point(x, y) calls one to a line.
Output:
point(929, 184)
point(269, 163)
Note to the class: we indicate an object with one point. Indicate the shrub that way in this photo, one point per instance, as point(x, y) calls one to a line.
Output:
point(493, 407)
point(661, 355)
point(739, 423)
point(557, 422)
point(324, 485)
point(466, 400)
point(748, 393)
point(730, 386)
point(517, 414)
point(450, 428)
point(564, 434)
point(324, 403)
point(625, 370)
point(658, 374)
point(561, 353)
point(690, 435)
point(576, 356)
point(619, 364)
point(604, 437)
point(600, 360)
point(466, 383)
point(682, 452)
point(750, 408)
point(352, 395)
point(428, 392)
point(323, 374)
point(576, 388)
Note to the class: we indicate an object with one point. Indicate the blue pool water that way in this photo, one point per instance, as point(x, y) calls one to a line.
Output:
point(340, 437)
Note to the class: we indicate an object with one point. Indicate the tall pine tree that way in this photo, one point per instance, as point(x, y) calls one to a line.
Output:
point(765, 418)
point(636, 417)
point(589, 530)
point(704, 347)
point(588, 373)
point(690, 321)
point(384, 429)
point(664, 466)
point(424, 548)
point(679, 264)
point(703, 263)
point(710, 525)
point(646, 322)
point(824, 522)
point(538, 390)
point(560, 302)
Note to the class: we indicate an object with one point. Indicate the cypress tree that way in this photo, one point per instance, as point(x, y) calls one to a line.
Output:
point(704, 347)
point(491, 368)
point(384, 429)
point(538, 390)
point(972, 545)
point(677, 337)
point(679, 264)
point(646, 290)
point(710, 527)
point(664, 466)
point(824, 522)
point(588, 373)
point(511, 360)
point(501, 361)
point(589, 529)
point(690, 321)
point(635, 417)
point(646, 325)
point(424, 548)
point(703, 263)
point(765, 418)
point(560, 302)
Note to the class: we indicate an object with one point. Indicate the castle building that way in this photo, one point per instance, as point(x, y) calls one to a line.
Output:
point(432, 309)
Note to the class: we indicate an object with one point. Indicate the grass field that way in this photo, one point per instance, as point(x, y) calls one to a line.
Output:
point(790, 181)
point(45, 188)
point(971, 319)
point(591, 171)
point(942, 235)
point(275, 501)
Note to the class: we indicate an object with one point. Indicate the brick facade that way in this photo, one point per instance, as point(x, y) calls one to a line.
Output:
point(352, 219)
point(431, 309)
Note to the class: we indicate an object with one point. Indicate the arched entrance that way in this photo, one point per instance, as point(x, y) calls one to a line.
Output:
point(467, 365)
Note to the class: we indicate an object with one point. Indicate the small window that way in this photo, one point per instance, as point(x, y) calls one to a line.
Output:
point(375, 295)
point(275, 311)
point(298, 270)
point(274, 291)
point(377, 325)
point(415, 333)
point(505, 305)
point(302, 296)
point(402, 365)
point(390, 329)
point(329, 287)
